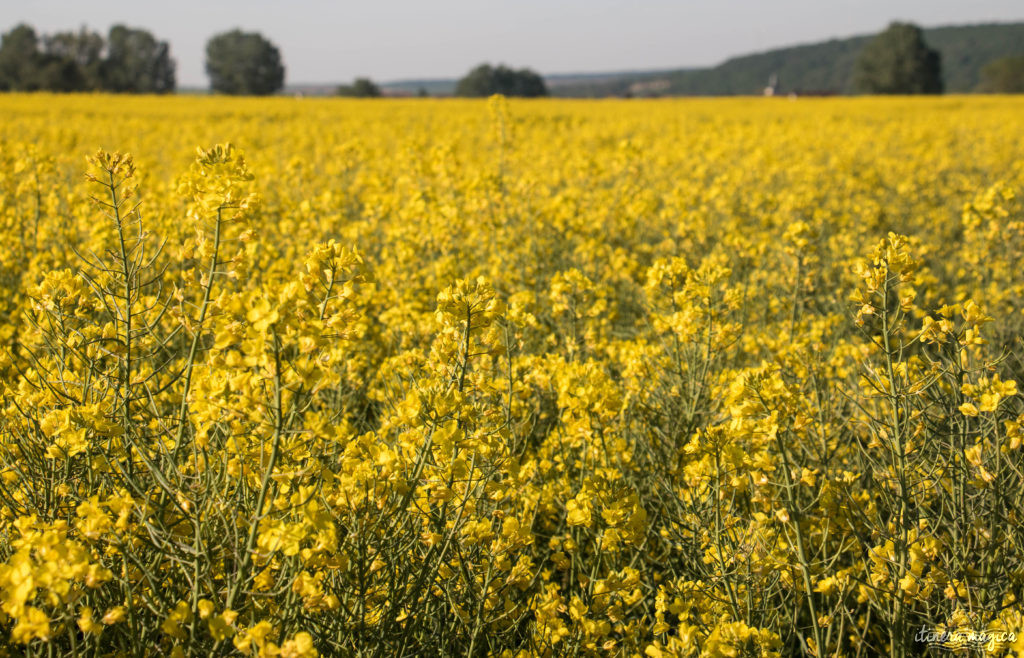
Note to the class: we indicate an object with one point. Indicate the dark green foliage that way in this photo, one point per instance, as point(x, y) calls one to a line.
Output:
point(360, 88)
point(131, 60)
point(243, 63)
point(1003, 76)
point(80, 56)
point(966, 50)
point(58, 74)
point(136, 62)
point(819, 67)
point(20, 59)
point(486, 80)
point(898, 61)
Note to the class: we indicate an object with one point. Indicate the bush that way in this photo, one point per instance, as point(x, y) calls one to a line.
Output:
point(361, 88)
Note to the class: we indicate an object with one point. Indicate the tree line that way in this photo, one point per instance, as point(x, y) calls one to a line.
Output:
point(127, 60)
point(132, 60)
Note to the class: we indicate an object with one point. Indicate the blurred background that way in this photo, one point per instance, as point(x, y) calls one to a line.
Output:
point(592, 48)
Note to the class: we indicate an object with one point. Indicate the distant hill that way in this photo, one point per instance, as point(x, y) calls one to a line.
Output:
point(577, 82)
point(824, 67)
point(433, 86)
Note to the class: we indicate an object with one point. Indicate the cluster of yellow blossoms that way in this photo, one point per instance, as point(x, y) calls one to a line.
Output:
point(675, 378)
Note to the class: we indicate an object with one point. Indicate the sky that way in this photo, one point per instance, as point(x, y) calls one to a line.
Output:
point(323, 41)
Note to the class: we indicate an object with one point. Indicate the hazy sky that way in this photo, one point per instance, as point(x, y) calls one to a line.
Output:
point(324, 41)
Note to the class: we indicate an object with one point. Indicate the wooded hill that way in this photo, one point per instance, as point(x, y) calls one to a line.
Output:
point(824, 67)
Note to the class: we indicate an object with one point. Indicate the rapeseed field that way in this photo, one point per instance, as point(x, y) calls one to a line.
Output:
point(298, 377)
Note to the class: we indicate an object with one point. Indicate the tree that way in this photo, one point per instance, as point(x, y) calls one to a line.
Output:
point(74, 61)
point(137, 62)
point(20, 59)
point(486, 80)
point(360, 88)
point(243, 63)
point(55, 73)
point(898, 61)
point(1003, 76)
